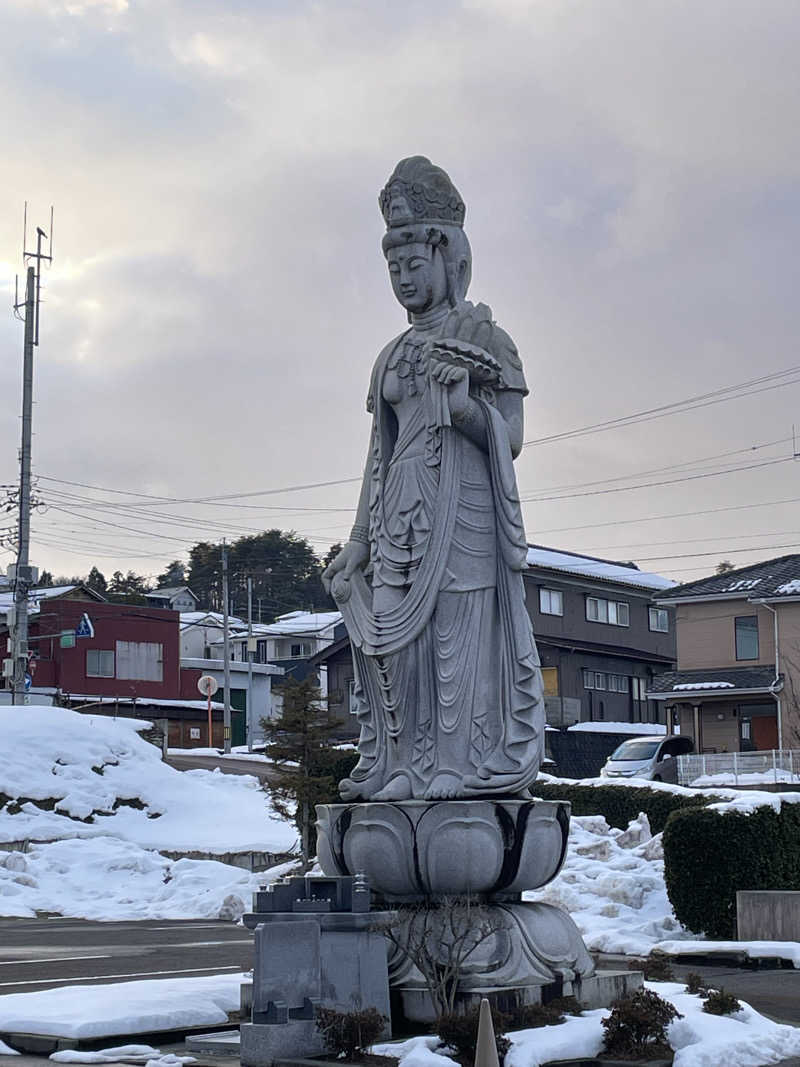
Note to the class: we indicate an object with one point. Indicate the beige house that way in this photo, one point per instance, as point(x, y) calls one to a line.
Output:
point(737, 683)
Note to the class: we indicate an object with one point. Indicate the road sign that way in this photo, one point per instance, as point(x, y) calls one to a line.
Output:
point(84, 627)
point(207, 685)
point(28, 682)
point(67, 639)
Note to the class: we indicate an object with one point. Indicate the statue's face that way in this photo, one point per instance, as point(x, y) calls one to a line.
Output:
point(418, 274)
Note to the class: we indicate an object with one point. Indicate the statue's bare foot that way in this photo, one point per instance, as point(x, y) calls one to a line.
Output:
point(350, 790)
point(397, 788)
point(443, 787)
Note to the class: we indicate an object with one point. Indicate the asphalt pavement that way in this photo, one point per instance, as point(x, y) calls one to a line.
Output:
point(228, 765)
point(43, 953)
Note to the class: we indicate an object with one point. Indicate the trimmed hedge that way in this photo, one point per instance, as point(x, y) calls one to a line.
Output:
point(618, 804)
point(708, 855)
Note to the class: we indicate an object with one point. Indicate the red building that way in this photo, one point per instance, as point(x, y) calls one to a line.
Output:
point(134, 650)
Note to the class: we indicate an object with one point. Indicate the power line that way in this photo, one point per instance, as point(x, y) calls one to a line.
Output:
point(691, 403)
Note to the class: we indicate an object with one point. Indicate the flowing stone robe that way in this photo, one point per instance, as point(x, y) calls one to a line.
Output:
point(448, 688)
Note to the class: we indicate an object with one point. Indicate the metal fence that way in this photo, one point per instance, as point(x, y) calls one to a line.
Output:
point(740, 768)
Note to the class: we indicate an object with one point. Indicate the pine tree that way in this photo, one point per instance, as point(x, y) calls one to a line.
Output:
point(96, 580)
point(307, 769)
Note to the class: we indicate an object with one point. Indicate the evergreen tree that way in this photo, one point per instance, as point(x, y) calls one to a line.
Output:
point(307, 769)
point(127, 588)
point(45, 580)
point(724, 567)
point(175, 574)
point(284, 568)
point(96, 581)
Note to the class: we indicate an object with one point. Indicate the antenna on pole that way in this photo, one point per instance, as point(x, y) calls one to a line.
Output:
point(24, 576)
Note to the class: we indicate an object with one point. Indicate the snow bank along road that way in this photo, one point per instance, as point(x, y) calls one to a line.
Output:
point(43, 953)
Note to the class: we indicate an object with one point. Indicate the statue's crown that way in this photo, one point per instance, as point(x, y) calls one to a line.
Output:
point(420, 192)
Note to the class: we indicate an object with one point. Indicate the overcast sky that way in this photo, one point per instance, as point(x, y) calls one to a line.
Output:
point(630, 170)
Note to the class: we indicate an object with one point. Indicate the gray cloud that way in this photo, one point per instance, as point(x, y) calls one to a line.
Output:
point(630, 172)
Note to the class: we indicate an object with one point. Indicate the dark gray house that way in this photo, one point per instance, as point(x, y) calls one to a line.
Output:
point(601, 639)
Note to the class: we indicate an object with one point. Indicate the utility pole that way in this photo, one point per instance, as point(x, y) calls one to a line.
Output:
point(250, 652)
point(226, 652)
point(24, 575)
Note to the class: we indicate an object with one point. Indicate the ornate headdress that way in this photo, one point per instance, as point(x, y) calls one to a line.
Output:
point(419, 192)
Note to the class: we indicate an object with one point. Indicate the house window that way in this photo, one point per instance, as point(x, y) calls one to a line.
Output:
point(746, 637)
point(141, 661)
point(551, 602)
point(594, 680)
point(659, 620)
point(99, 664)
point(639, 688)
point(615, 612)
point(617, 683)
point(299, 649)
point(352, 706)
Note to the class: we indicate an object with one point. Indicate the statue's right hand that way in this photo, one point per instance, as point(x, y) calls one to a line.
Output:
point(354, 556)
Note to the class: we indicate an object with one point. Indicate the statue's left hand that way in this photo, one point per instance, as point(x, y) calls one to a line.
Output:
point(456, 381)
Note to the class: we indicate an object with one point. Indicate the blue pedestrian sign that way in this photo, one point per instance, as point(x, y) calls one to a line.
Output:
point(28, 682)
point(84, 627)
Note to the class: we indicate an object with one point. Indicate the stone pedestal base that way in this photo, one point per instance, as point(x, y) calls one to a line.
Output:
point(454, 865)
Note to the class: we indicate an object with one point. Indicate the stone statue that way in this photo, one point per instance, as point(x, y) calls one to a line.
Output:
point(448, 687)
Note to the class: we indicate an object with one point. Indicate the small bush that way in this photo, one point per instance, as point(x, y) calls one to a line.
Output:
point(567, 1005)
point(708, 855)
point(655, 968)
point(718, 1002)
point(638, 1025)
point(530, 1016)
point(618, 804)
point(460, 1032)
point(695, 983)
point(348, 1034)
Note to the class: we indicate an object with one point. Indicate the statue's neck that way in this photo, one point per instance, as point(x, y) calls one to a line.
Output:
point(430, 319)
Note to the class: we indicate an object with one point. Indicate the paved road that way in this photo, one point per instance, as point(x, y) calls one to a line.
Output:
point(41, 953)
point(260, 770)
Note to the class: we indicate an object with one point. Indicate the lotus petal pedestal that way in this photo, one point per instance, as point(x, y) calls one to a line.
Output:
point(489, 851)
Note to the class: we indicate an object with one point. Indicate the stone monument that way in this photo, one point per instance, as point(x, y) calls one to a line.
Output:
point(448, 687)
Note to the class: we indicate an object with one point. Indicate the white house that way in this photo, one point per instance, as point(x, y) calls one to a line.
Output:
point(175, 598)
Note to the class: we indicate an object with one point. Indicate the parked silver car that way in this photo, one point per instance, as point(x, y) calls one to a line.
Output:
point(653, 758)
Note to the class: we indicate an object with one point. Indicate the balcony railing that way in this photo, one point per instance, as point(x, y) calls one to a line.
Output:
point(740, 768)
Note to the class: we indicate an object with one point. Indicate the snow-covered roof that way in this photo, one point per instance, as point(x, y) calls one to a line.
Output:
point(208, 618)
point(299, 623)
point(168, 591)
point(35, 596)
point(591, 567)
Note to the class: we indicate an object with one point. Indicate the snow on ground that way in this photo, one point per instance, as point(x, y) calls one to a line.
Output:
point(770, 777)
point(94, 1011)
point(240, 752)
point(637, 729)
point(134, 1054)
point(100, 778)
point(746, 1039)
point(108, 879)
point(95, 806)
point(6, 1051)
point(612, 884)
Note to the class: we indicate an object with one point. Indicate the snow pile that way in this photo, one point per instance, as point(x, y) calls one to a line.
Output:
point(6, 1051)
point(728, 778)
point(72, 775)
point(638, 729)
point(746, 1039)
point(612, 884)
point(134, 1054)
point(105, 878)
point(94, 1011)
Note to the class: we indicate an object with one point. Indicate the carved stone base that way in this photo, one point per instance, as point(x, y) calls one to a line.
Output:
point(517, 948)
point(488, 849)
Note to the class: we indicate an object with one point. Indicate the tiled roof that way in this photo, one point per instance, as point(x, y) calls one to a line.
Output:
point(717, 683)
point(772, 578)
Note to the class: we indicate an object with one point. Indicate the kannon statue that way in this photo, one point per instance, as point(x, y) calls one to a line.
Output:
point(448, 689)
